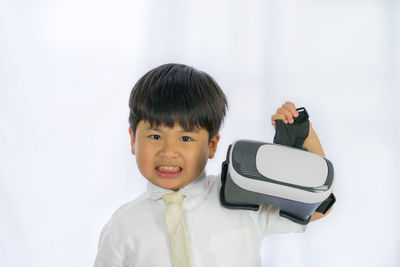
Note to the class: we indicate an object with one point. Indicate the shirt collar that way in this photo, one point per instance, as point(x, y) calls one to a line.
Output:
point(196, 189)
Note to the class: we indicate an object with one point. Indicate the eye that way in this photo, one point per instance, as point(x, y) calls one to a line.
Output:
point(186, 138)
point(155, 136)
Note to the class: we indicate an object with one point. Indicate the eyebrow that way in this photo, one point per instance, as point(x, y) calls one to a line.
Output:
point(181, 131)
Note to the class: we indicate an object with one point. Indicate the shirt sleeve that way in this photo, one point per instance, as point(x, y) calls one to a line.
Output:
point(274, 223)
point(108, 254)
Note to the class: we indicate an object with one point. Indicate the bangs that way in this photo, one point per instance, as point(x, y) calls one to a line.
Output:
point(173, 94)
point(176, 105)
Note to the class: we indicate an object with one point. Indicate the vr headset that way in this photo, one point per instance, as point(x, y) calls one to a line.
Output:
point(283, 174)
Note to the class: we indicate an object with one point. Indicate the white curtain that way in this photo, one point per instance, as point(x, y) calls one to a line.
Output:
point(66, 71)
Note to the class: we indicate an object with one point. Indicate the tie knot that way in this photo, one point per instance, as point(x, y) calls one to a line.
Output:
point(172, 198)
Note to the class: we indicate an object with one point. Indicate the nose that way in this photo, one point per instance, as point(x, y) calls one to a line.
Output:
point(169, 150)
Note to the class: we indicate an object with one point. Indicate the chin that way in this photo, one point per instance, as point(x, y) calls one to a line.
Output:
point(168, 185)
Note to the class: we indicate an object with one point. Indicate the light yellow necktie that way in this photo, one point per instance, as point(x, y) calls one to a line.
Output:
point(176, 229)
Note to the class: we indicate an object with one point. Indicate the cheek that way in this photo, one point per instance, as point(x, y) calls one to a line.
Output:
point(199, 159)
point(143, 157)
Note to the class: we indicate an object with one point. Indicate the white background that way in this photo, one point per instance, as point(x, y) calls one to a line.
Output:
point(66, 72)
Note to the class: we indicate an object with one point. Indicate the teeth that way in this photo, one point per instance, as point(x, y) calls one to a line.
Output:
point(168, 168)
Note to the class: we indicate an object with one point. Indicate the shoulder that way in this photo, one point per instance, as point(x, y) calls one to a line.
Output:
point(213, 182)
point(130, 213)
point(131, 209)
point(120, 232)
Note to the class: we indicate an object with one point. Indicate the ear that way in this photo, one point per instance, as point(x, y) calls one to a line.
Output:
point(212, 146)
point(132, 141)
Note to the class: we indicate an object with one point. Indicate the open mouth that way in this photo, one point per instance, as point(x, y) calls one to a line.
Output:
point(168, 171)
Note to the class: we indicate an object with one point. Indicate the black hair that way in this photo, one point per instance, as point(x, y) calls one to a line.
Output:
point(174, 93)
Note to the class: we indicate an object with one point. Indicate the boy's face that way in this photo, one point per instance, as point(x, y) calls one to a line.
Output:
point(171, 158)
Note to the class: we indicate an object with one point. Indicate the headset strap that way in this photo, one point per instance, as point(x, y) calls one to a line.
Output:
point(293, 134)
point(327, 204)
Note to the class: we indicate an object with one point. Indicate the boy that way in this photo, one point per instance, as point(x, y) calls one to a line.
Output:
point(175, 114)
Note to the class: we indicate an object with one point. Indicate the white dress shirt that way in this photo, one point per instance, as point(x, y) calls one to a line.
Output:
point(136, 234)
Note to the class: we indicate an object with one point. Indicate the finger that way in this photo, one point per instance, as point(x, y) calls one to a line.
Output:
point(292, 108)
point(289, 102)
point(287, 113)
point(278, 117)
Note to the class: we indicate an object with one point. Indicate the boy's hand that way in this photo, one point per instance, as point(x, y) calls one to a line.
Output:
point(287, 112)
